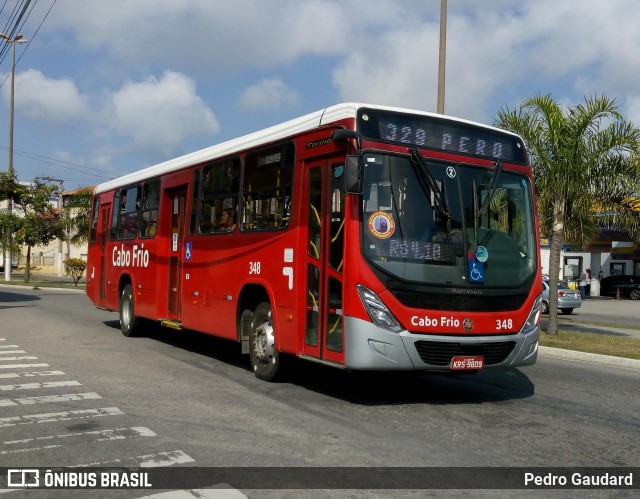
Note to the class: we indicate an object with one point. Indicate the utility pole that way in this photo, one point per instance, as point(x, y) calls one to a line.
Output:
point(16, 39)
point(443, 55)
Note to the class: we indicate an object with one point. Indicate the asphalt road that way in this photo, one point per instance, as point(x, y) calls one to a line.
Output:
point(74, 391)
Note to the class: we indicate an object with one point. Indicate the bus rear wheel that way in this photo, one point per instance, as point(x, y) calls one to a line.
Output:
point(265, 359)
point(129, 323)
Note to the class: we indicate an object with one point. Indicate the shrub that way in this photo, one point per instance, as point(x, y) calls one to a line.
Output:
point(75, 268)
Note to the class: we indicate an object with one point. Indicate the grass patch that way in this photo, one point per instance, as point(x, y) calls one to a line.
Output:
point(603, 344)
point(36, 282)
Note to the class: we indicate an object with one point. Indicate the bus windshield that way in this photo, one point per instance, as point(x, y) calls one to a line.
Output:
point(443, 223)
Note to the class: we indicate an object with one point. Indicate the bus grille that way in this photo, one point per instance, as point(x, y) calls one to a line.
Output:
point(480, 303)
point(439, 353)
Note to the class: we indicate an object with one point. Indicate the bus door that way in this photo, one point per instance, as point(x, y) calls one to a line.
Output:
point(103, 236)
point(324, 260)
point(176, 213)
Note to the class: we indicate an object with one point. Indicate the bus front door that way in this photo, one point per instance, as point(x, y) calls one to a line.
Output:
point(177, 197)
point(324, 258)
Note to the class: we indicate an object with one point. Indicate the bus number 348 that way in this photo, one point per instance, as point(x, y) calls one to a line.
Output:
point(254, 267)
point(504, 324)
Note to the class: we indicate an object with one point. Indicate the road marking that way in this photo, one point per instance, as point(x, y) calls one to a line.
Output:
point(49, 398)
point(23, 366)
point(37, 386)
point(5, 352)
point(9, 346)
point(147, 461)
point(52, 417)
point(31, 374)
point(219, 491)
point(21, 357)
point(94, 436)
point(165, 459)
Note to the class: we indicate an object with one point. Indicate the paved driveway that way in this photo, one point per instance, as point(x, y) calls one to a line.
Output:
point(599, 315)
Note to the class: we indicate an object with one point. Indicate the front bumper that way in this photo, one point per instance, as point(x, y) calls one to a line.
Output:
point(370, 347)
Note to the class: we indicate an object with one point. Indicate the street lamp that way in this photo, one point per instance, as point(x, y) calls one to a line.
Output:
point(16, 39)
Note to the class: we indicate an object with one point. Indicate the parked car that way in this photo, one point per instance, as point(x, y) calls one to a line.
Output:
point(568, 298)
point(629, 286)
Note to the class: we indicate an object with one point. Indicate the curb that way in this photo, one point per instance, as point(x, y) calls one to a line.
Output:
point(593, 358)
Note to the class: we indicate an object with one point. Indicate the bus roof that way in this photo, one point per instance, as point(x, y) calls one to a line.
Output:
point(262, 137)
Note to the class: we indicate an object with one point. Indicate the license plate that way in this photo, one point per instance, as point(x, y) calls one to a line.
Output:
point(467, 363)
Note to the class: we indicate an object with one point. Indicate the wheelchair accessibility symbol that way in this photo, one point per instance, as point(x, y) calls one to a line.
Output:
point(187, 250)
point(476, 272)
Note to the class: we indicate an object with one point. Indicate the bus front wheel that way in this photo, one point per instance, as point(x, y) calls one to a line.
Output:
point(265, 359)
point(129, 323)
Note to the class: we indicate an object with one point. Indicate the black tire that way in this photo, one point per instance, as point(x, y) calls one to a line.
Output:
point(265, 359)
point(634, 294)
point(567, 311)
point(129, 323)
point(545, 307)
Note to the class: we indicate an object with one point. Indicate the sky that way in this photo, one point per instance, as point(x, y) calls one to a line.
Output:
point(104, 88)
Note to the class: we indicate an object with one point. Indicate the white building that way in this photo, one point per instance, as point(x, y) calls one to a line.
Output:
point(49, 259)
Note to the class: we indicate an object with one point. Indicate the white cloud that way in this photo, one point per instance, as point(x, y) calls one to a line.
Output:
point(268, 94)
point(47, 100)
point(200, 35)
point(633, 107)
point(159, 114)
point(498, 53)
point(496, 56)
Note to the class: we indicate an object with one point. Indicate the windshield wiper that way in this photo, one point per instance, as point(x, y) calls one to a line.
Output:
point(492, 187)
point(429, 183)
point(480, 211)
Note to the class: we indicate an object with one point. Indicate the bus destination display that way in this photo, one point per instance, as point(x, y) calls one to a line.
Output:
point(434, 133)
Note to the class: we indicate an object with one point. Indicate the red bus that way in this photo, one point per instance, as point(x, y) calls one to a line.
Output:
point(360, 236)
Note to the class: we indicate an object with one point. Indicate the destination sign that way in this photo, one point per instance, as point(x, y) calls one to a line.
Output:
point(443, 134)
point(416, 251)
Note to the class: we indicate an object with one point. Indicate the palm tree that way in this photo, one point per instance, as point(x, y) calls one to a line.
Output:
point(76, 216)
point(586, 169)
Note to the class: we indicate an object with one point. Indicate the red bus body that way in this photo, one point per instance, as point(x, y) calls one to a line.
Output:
point(316, 268)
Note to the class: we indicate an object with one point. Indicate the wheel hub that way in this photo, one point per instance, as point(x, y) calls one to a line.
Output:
point(264, 346)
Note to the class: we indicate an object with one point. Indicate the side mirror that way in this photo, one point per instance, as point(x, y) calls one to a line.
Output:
point(353, 175)
point(353, 169)
point(344, 134)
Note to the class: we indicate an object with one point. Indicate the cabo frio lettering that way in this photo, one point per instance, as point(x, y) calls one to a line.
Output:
point(426, 321)
point(137, 256)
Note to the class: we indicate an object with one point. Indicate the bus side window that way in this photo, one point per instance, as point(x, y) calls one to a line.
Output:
point(115, 214)
point(93, 231)
point(195, 196)
point(220, 184)
point(150, 203)
point(129, 213)
point(267, 188)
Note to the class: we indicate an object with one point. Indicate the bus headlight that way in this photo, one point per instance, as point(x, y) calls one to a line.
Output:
point(378, 311)
point(534, 317)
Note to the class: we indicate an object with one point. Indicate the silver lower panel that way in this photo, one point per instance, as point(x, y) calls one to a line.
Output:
point(370, 347)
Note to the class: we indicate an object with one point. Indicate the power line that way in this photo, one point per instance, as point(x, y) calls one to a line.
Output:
point(5, 47)
point(13, 25)
point(67, 165)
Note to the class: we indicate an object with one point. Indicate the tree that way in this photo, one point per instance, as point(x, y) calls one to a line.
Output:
point(586, 171)
point(41, 222)
point(76, 216)
point(9, 224)
point(11, 190)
